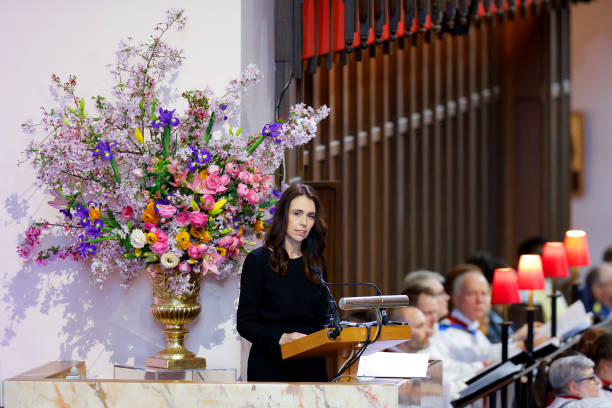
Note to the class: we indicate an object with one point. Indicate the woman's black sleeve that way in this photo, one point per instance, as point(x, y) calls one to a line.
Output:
point(248, 319)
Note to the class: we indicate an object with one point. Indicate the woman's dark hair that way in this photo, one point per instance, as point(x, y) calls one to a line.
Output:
point(312, 246)
point(598, 348)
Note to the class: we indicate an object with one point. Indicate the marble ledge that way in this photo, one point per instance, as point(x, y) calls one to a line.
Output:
point(19, 393)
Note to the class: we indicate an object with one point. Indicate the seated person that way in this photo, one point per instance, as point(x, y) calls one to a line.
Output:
point(575, 383)
point(424, 298)
point(596, 344)
point(435, 282)
point(599, 285)
point(420, 330)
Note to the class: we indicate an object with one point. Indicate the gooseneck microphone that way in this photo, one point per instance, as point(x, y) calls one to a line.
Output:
point(334, 319)
point(383, 312)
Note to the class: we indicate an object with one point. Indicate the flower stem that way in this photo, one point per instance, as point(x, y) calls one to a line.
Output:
point(208, 128)
point(255, 145)
point(116, 171)
point(166, 141)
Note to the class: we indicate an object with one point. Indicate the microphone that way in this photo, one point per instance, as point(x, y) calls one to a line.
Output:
point(383, 312)
point(373, 302)
point(334, 319)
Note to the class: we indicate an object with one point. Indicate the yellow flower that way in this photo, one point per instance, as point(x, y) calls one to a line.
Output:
point(94, 214)
point(138, 252)
point(138, 135)
point(205, 237)
point(203, 174)
point(183, 240)
point(151, 238)
point(221, 251)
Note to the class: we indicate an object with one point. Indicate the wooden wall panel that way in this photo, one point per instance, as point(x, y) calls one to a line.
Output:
point(441, 146)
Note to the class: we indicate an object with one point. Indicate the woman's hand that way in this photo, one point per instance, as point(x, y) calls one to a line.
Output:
point(289, 337)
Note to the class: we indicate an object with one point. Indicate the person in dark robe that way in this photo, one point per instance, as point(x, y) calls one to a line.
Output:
point(281, 299)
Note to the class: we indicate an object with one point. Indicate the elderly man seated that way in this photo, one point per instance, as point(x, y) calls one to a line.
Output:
point(576, 384)
point(459, 336)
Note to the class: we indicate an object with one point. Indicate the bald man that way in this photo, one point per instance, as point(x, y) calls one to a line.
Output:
point(459, 336)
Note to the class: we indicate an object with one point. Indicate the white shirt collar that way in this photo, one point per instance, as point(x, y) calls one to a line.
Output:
point(456, 313)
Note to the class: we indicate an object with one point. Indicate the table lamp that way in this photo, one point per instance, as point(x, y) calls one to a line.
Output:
point(530, 277)
point(577, 249)
point(554, 263)
point(505, 291)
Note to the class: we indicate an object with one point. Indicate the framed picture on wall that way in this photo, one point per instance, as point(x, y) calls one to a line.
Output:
point(577, 153)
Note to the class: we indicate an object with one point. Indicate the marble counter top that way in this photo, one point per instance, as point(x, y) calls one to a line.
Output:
point(41, 393)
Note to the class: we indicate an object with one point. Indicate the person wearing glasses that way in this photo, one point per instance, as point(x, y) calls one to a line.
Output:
point(596, 344)
point(575, 383)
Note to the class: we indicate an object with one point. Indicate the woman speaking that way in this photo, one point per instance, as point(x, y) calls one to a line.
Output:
point(281, 299)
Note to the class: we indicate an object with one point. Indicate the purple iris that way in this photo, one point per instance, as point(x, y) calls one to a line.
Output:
point(66, 212)
point(272, 130)
point(103, 149)
point(235, 223)
point(276, 193)
point(163, 201)
point(85, 222)
point(165, 119)
point(200, 157)
point(94, 230)
point(85, 248)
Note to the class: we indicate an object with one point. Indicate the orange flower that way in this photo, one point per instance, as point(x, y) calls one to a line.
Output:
point(94, 213)
point(196, 232)
point(221, 251)
point(205, 237)
point(259, 226)
point(149, 215)
point(183, 240)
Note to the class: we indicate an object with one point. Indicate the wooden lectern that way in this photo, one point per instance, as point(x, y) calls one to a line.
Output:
point(350, 340)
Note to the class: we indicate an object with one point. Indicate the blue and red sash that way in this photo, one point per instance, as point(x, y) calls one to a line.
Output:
point(450, 321)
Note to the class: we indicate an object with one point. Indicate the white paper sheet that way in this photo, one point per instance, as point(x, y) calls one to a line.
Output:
point(397, 365)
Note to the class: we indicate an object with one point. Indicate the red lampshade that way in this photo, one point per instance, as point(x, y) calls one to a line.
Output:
point(577, 248)
point(554, 260)
point(530, 275)
point(505, 288)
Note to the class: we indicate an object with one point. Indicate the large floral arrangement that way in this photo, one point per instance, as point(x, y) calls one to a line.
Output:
point(137, 183)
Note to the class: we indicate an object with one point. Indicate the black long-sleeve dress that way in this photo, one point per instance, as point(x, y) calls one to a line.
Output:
point(270, 305)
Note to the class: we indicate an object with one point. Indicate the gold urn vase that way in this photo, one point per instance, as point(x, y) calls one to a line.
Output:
point(175, 311)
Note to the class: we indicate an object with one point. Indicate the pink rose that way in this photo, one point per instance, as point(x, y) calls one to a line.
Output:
point(198, 219)
point(184, 218)
point(213, 169)
point(208, 201)
point(184, 267)
point(243, 190)
point(253, 197)
point(232, 169)
point(229, 243)
point(215, 184)
point(166, 211)
point(149, 226)
point(160, 247)
point(196, 251)
point(246, 176)
point(127, 212)
point(268, 182)
point(161, 236)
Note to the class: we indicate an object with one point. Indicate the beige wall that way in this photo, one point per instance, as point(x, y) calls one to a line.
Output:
point(591, 65)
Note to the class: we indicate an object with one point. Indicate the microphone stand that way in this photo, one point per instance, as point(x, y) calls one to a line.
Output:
point(383, 312)
point(334, 319)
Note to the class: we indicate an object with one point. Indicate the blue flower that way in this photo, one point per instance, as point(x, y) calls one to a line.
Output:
point(272, 130)
point(82, 212)
point(103, 149)
point(66, 212)
point(165, 119)
point(85, 248)
point(200, 157)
